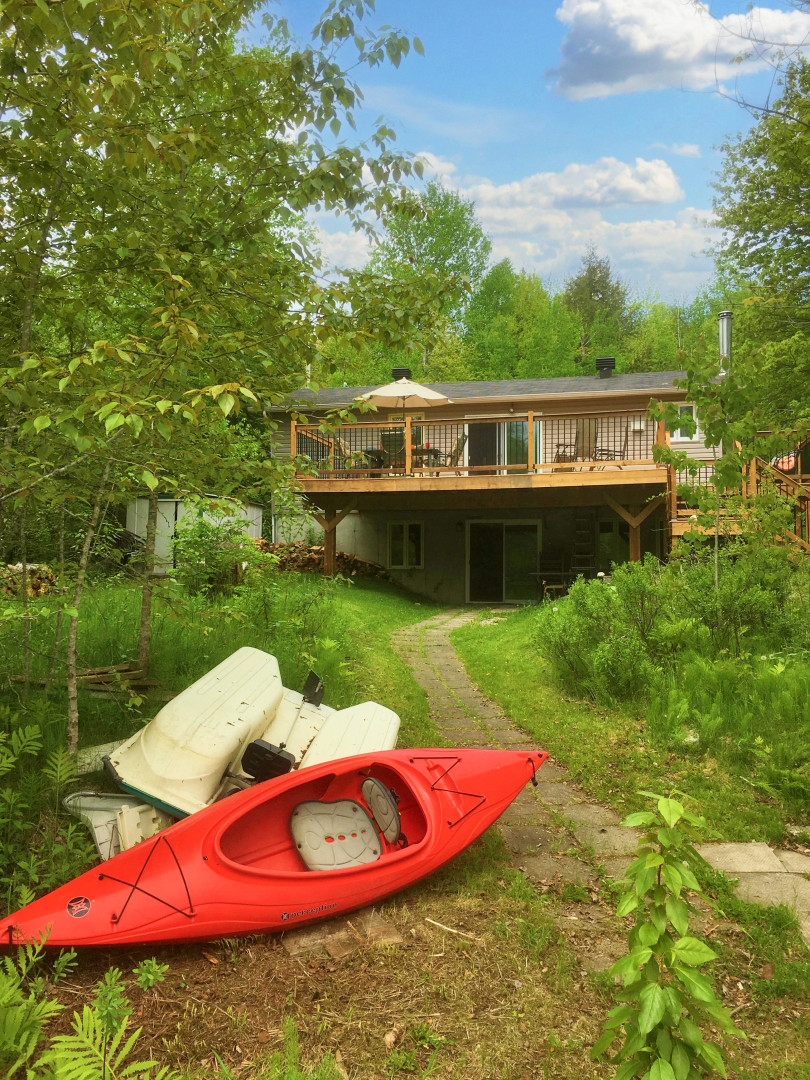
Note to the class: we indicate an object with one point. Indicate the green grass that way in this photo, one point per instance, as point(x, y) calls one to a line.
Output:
point(340, 629)
point(611, 752)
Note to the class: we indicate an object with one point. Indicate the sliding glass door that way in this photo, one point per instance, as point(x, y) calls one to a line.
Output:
point(501, 561)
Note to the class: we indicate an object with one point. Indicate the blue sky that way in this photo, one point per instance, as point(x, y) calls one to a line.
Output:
point(575, 122)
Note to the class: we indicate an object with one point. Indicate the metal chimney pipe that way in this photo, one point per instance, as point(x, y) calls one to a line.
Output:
point(724, 320)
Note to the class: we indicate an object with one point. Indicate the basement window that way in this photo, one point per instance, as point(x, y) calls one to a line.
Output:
point(406, 545)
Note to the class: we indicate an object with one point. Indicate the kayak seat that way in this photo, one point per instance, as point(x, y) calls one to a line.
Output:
point(383, 808)
point(334, 835)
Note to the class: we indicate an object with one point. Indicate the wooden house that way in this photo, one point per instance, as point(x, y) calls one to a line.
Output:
point(505, 492)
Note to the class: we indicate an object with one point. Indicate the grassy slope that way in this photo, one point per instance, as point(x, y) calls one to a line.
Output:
point(609, 752)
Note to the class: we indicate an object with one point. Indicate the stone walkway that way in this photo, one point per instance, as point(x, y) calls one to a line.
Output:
point(555, 833)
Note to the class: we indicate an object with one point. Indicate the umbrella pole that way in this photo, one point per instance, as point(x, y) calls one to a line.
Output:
point(408, 452)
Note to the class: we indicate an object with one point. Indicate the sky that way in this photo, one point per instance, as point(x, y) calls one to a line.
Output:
point(572, 123)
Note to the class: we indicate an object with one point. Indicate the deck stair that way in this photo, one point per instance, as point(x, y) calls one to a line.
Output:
point(760, 475)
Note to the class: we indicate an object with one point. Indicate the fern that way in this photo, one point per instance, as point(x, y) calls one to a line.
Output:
point(60, 768)
point(86, 1053)
point(26, 740)
point(23, 1014)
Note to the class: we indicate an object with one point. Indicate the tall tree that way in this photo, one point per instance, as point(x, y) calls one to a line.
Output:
point(441, 235)
point(601, 300)
point(155, 272)
point(763, 210)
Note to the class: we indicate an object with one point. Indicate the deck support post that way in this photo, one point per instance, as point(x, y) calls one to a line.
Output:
point(329, 521)
point(635, 517)
point(635, 543)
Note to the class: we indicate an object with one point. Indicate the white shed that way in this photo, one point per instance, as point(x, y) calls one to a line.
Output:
point(171, 512)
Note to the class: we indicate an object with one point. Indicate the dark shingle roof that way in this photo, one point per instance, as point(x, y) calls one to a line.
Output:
point(494, 389)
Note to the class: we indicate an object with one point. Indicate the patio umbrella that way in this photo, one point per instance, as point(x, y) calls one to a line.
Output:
point(404, 394)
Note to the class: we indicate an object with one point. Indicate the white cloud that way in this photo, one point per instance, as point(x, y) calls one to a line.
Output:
point(343, 249)
point(683, 149)
point(626, 46)
point(545, 222)
point(437, 167)
point(606, 182)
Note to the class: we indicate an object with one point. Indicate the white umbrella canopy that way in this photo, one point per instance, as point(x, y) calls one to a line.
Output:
point(404, 394)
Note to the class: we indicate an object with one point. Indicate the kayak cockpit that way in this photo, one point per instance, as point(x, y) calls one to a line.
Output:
point(332, 822)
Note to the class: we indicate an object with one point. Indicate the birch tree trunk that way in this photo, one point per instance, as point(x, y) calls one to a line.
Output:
point(84, 558)
point(57, 640)
point(26, 622)
point(145, 629)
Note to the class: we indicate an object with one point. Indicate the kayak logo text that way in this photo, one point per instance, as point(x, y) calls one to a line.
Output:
point(286, 915)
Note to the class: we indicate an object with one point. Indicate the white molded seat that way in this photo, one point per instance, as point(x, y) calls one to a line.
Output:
point(383, 808)
point(334, 835)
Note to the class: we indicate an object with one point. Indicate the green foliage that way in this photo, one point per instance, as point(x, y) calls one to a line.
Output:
point(666, 1000)
point(601, 301)
point(149, 973)
point(761, 194)
point(211, 551)
point(286, 1063)
point(95, 1049)
point(514, 328)
point(722, 671)
point(37, 850)
point(441, 235)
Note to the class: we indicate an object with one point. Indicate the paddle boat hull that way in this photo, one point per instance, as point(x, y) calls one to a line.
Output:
point(309, 845)
point(189, 755)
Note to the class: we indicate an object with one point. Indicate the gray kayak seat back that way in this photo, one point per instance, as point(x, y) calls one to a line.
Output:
point(334, 835)
point(383, 808)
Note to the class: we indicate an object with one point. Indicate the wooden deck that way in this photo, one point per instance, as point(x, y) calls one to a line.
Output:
point(514, 462)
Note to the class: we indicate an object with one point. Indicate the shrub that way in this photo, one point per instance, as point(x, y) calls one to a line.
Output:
point(665, 1001)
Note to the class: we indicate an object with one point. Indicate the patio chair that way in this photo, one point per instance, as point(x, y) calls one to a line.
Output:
point(392, 444)
point(583, 447)
point(352, 458)
point(455, 453)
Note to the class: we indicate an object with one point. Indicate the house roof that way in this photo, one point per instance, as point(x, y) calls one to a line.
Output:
point(509, 389)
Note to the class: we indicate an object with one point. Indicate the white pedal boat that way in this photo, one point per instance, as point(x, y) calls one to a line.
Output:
point(191, 753)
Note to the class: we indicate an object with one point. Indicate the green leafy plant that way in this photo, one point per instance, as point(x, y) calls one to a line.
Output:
point(149, 972)
point(94, 1049)
point(666, 1000)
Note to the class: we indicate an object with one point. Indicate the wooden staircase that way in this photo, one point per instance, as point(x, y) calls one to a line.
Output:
point(760, 475)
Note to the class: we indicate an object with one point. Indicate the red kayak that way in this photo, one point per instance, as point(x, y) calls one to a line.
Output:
point(309, 845)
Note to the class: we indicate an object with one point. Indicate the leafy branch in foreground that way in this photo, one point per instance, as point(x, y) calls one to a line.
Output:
point(666, 1000)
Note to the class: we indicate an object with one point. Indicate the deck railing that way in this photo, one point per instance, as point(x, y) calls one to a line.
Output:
point(464, 447)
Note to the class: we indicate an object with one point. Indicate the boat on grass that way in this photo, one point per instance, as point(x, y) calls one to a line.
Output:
point(314, 843)
point(192, 752)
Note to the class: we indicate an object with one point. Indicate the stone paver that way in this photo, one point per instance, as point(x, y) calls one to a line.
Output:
point(751, 858)
point(466, 718)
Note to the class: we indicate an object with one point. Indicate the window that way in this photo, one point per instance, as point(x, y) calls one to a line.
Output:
point(405, 545)
point(687, 410)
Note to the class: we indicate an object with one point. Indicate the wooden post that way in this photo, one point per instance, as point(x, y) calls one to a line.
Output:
point(329, 543)
point(530, 441)
point(635, 543)
point(408, 448)
point(293, 438)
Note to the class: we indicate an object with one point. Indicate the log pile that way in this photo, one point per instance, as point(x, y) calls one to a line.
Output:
point(40, 579)
point(308, 558)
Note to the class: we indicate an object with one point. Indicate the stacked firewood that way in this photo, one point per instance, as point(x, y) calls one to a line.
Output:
point(40, 579)
point(308, 558)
